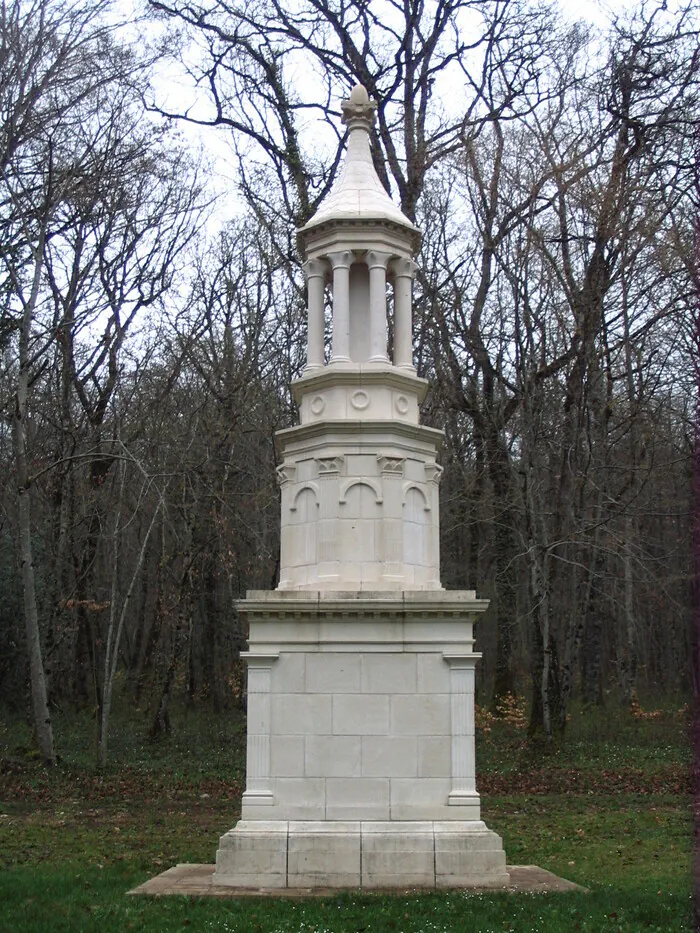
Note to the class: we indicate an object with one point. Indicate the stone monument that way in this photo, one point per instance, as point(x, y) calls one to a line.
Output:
point(360, 754)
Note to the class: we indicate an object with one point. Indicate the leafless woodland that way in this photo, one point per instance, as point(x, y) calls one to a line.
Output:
point(147, 343)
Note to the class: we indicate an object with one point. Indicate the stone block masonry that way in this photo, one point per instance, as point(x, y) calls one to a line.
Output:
point(368, 854)
point(360, 745)
point(360, 755)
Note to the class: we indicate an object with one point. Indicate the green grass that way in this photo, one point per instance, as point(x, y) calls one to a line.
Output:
point(73, 842)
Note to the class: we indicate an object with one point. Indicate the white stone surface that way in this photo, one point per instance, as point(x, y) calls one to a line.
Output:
point(360, 767)
point(333, 756)
point(333, 673)
point(389, 756)
point(290, 673)
point(358, 194)
point(434, 755)
point(365, 513)
point(328, 855)
point(383, 728)
point(361, 714)
point(287, 755)
point(402, 856)
point(301, 714)
point(421, 714)
point(389, 673)
point(251, 852)
point(368, 854)
point(358, 798)
point(359, 518)
point(432, 673)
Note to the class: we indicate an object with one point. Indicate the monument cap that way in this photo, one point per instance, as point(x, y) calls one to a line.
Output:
point(358, 194)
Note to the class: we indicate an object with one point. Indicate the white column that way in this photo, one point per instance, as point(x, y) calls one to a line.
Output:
point(463, 792)
point(258, 792)
point(377, 263)
point(315, 272)
point(341, 263)
point(404, 271)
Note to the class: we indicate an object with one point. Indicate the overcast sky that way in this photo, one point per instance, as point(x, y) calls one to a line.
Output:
point(215, 142)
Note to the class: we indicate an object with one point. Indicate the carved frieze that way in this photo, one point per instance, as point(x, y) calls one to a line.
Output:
point(329, 466)
point(286, 473)
point(392, 466)
point(359, 400)
point(317, 404)
point(433, 473)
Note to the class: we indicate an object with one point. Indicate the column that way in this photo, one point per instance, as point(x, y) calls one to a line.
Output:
point(404, 271)
point(377, 263)
point(341, 263)
point(258, 792)
point(315, 272)
point(463, 791)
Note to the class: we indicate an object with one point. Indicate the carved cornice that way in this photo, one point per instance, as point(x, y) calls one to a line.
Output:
point(316, 436)
point(355, 233)
point(364, 376)
point(363, 606)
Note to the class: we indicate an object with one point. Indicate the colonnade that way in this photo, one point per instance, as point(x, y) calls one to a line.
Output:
point(381, 266)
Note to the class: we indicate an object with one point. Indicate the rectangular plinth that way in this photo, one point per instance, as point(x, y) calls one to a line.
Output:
point(361, 766)
point(368, 854)
point(398, 855)
point(251, 852)
point(354, 728)
point(324, 855)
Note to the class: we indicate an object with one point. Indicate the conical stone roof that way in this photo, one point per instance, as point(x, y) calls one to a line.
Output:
point(358, 194)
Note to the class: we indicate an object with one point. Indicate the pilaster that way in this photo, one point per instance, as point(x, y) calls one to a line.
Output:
point(257, 792)
point(463, 790)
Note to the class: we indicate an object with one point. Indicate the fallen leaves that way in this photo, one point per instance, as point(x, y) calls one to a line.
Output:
point(553, 780)
point(129, 785)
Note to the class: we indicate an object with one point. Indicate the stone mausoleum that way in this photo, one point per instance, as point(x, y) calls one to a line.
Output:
point(360, 754)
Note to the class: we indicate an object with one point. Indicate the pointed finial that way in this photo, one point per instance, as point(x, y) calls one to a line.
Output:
point(359, 110)
point(357, 193)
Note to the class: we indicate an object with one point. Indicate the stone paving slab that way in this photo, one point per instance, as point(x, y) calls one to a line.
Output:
point(198, 881)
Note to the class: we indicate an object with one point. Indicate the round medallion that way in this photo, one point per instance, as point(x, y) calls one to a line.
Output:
point(402, 404)
point(317, 404)
point(359, 400)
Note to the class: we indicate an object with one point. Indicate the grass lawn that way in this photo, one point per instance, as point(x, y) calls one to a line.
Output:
point(610, 812)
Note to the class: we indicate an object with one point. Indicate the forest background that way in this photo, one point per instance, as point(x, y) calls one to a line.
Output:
point(147, 345)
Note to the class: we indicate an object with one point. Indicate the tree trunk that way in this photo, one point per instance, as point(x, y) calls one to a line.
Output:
point(592, 685)
point(116, 628)
point(42, 718)
point(504, 545)
point(161, 721)
point(629, 678)
point(544, 727)
point(180, 634)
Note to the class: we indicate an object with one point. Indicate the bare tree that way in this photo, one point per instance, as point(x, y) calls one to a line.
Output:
point(48, 72)
point(83, 242)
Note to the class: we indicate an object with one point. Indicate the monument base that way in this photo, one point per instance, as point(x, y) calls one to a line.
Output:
point(362, 854)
